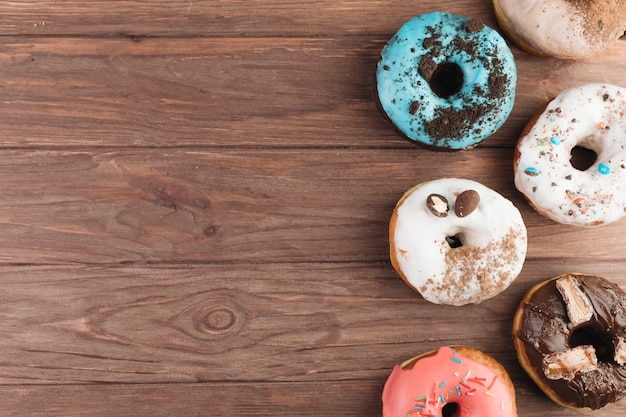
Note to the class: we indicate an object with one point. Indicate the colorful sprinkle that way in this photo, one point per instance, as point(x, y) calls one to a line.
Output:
point(556, 140)
point(481, 381)
point(457, 360)
point(443, 400)
point(489, 393)
point(604, 169)
point(442, 384)
point(492, 382)
point(458, 390)
point(532, 171)
point(421, 398)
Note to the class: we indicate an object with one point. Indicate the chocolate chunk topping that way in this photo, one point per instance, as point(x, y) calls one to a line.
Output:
point(547, 331)
point(414, 107)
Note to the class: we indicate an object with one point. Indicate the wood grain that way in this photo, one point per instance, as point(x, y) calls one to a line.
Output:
point(241, 206)
point(193, 18)
point(347, 398)
point(227, 92)
point(194, 203)
point(273, 322)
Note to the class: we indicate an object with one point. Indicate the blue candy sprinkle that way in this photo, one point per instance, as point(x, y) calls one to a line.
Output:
point(556, 140)
point(532, 171)
point(604, 169)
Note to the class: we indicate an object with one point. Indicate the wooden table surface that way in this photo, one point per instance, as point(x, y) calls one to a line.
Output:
point(194, 205)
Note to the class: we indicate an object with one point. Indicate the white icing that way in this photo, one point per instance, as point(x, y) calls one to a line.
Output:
point(556, 27)
point(592, 116)
point(493, 251)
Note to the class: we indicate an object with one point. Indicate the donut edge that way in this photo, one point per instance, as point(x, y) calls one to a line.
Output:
point(392, 231)
point(507, 28)
point(517, 155)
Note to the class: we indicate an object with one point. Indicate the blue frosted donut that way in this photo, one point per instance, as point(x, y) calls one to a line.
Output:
point(446, 81)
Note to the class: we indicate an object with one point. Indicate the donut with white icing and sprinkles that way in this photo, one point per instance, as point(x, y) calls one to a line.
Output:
point(456, 241)
point(593, 117)
point(451, 381)
point(446, 81)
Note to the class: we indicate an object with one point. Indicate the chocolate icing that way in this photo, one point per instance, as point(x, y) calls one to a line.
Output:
point(546, 328)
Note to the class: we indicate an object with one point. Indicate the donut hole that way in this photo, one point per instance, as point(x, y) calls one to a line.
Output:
point(601, 341)
point(446, 80)
point(450, 410)
point(456, 241)
point(582, 158)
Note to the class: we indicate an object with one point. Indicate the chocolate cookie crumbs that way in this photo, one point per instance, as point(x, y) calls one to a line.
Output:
point(427, 67)
point(473, 26)
point(450, 123)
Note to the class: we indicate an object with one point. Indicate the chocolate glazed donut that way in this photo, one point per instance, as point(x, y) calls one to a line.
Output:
point(570, 337)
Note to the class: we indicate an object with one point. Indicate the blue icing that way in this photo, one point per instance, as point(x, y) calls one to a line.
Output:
point(457, 120)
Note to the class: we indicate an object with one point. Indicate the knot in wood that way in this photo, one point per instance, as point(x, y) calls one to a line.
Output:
point(219, 317)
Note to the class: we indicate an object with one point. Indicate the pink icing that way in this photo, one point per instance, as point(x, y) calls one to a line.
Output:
point(446, 381)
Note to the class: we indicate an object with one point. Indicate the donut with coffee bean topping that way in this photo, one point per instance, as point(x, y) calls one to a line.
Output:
point(456, 241)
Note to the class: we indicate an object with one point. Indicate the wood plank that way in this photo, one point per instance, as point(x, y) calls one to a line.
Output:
point(345, 398)
point(237, 323)
point(287, 92)
point(218, 18)
point(177, 205)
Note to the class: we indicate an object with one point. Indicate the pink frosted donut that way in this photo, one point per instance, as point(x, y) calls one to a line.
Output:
point(452, 381)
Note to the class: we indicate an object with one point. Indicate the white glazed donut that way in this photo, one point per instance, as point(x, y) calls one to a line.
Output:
point(592, 116)
point(456, 241)
point(567, 29)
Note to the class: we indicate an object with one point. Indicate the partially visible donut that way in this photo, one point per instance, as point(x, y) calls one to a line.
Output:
point(591, 116)
point(456, 241)
point(566, 29)
point(570, 336)
point(452, 381)
point(446, 81)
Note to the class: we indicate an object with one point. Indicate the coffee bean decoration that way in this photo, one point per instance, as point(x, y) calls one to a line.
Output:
point(466, 203)
point(438, 205)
